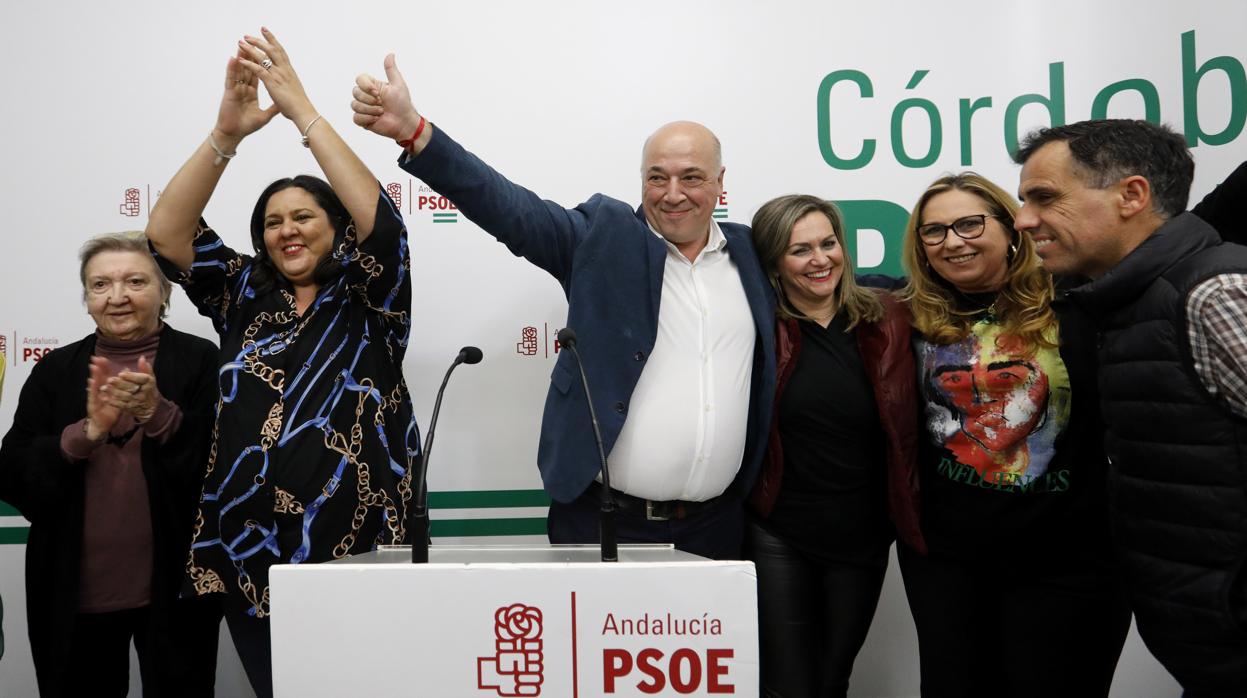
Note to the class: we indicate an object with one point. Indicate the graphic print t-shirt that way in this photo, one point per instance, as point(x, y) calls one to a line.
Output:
point(993, 415)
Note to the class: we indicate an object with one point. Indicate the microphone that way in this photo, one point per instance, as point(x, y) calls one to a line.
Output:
point(606, 525)
point(418, 518)
point(469, 355)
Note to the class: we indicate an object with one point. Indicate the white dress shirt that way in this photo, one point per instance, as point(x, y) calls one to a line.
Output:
point(684, 435)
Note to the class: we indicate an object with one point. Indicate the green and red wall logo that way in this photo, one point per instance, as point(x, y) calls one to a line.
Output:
point(439, 208)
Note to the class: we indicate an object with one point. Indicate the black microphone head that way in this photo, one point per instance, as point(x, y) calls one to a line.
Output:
point(567, 337)
point(471, 355)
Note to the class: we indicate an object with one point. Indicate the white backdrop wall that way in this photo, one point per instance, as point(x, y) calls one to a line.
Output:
point(864, 103)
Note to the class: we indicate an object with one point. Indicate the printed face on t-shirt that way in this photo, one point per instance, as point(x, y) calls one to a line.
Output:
point(995, 407)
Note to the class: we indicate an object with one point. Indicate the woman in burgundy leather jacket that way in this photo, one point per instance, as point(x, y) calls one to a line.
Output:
point(840, 457)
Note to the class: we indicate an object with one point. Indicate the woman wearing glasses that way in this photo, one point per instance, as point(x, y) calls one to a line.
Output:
point(1017, 595)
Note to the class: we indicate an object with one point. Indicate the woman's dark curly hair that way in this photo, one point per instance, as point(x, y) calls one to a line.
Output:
point(264, 275)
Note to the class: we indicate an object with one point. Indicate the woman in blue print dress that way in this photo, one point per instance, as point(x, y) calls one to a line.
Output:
point(315, 435)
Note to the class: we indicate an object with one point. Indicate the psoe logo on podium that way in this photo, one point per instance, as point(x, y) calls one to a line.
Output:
point(516, 667)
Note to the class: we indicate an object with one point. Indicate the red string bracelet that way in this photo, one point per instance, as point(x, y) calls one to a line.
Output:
point(419, 130)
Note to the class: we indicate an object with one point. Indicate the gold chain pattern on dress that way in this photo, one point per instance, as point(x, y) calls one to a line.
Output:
point(366, 498)
point(285, 503)
point(259, 603)
point(319, 401)
point(205, 581)
point(272, 425)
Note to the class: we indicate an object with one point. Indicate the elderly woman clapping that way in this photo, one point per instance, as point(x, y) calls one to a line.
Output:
point(105, 458)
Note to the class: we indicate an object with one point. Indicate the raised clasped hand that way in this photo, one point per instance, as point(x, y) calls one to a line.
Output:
point(240, 114)
point(384, 107)
point(265, 60)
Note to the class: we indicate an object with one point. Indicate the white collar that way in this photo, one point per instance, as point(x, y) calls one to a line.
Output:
point(716, 242)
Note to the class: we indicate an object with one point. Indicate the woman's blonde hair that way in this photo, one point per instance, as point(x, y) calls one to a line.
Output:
point(772, 231)
point(1024, 303)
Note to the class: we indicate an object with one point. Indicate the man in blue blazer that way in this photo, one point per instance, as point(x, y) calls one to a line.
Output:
point(675, 321)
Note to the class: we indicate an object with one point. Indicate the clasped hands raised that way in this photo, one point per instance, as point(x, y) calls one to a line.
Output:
point(381, 106)
point(260, 59)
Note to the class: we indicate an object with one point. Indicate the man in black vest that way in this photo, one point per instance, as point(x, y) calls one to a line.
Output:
point(1106, 200)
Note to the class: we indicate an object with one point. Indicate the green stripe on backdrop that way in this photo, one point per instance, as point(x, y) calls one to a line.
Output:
point(460, 528)
point(463, 499)
point(18, 536)
point(488, 499)
point(487, 527)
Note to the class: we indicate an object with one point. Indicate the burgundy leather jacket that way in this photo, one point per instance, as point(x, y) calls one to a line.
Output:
point(889, 361)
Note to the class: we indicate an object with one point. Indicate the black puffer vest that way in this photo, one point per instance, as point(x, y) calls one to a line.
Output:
point(1178, 457)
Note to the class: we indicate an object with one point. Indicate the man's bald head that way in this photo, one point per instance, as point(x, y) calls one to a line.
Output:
point(681, 181)
point(690, 130)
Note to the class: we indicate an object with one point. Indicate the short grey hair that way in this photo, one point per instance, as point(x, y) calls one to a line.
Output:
point(128, 241)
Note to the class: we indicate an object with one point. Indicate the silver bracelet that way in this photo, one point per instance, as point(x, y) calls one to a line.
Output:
point(309, 128)
point(221, 155)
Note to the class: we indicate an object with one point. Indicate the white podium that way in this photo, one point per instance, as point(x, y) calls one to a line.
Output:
point(547, 621)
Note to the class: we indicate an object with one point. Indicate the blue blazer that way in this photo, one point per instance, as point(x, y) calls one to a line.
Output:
point(610, 266)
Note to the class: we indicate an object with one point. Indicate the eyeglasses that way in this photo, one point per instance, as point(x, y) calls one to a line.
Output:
point(966, 228)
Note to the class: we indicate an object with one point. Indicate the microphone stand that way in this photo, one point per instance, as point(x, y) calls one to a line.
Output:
point(418, 517)
point(606, 522)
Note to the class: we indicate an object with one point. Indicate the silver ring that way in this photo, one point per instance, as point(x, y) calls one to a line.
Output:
point(266, 63)
point(137, 388)
point(239, 82)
